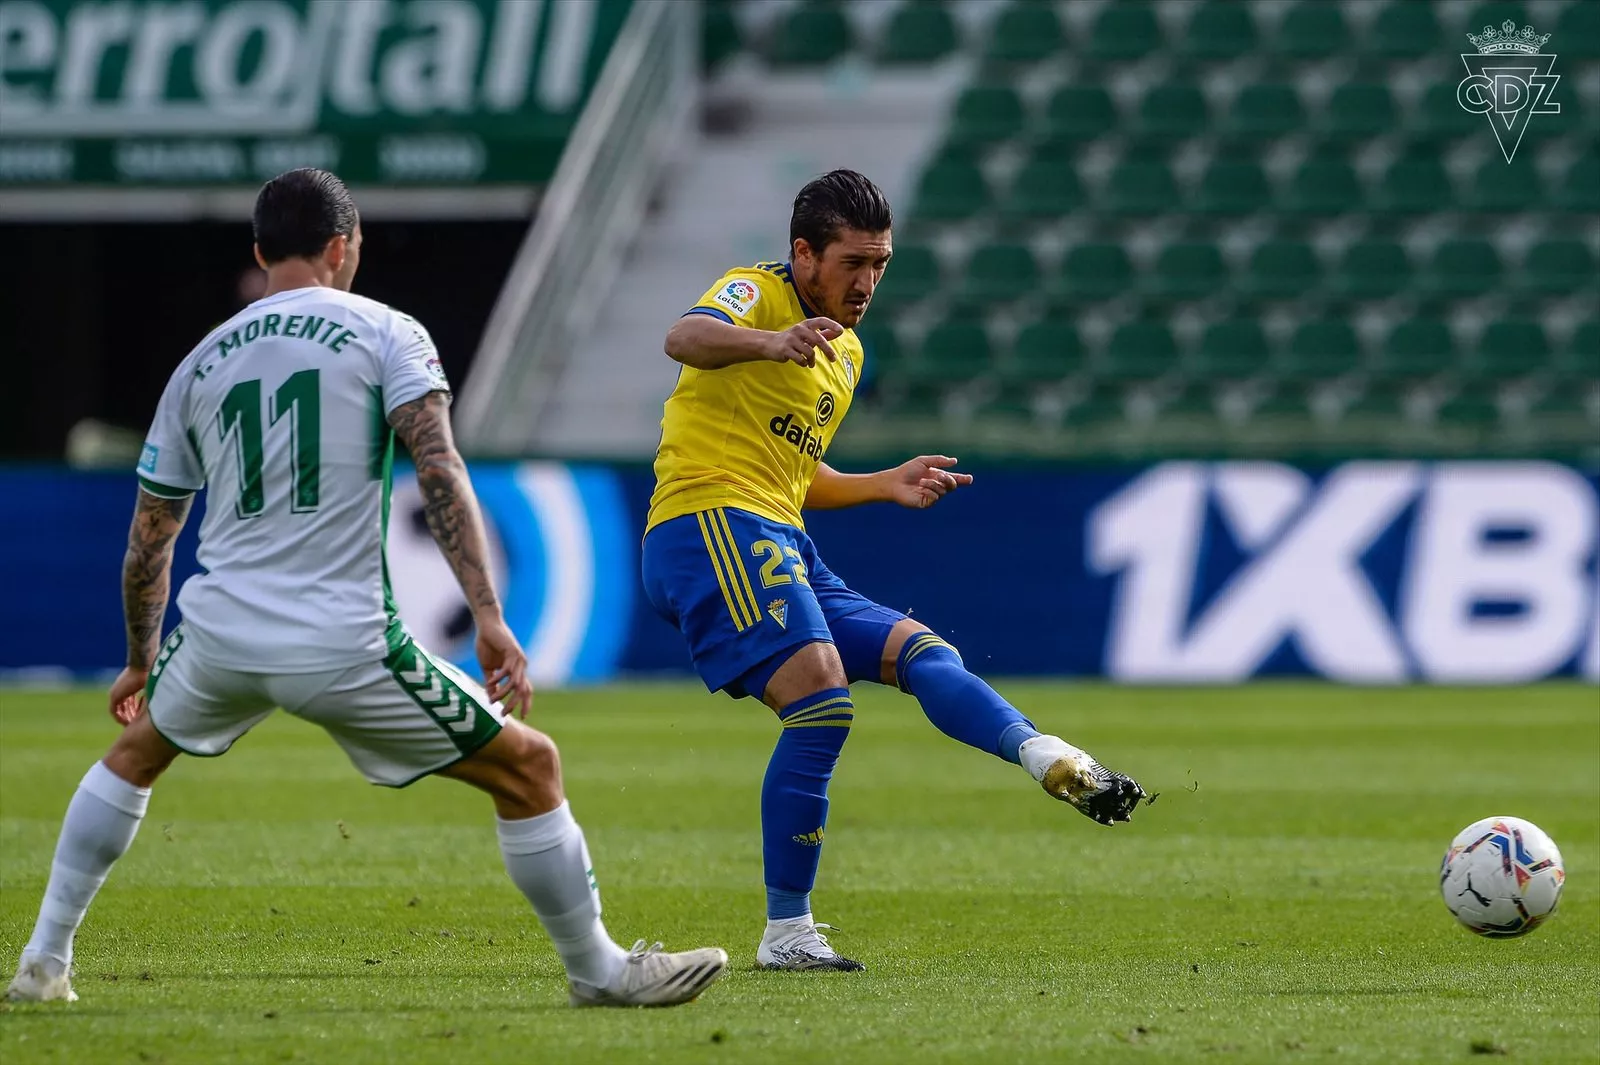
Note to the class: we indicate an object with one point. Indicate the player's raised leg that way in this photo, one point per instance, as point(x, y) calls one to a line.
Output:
point(101, 821)
point(964, 707)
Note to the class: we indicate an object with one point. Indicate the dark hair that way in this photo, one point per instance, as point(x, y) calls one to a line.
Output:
point(840, 199)
point(299, 211)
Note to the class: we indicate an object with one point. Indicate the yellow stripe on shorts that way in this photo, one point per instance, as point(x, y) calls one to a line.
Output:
point(713, 549)
point(744, 574)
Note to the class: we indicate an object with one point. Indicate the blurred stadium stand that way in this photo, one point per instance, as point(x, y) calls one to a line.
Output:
point(1136, 229)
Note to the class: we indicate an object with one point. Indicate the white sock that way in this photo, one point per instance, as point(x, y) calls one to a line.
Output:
point(778, 927)
point(101, 822)
point(549, 862)
point(1038, 753)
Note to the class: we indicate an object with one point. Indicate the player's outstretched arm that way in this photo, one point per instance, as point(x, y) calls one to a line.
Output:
point(708, 343)
point(919, 483)
point(456, 524)
point(146, 585)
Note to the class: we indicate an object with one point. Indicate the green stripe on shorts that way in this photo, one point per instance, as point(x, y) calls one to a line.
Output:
point(168, 649)
point(467, 722)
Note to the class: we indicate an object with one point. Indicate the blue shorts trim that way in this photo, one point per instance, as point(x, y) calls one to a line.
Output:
point(745, 591)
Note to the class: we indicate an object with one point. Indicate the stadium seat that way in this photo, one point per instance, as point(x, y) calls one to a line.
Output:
point(1579, 359)
point(918, 33)
point(998, 273)
point(1282, 269)
point(1463, 268)
point(1511, 348)
point(881, 345)
point(1024, 33)
point(1469, 409)
point(1174, 111)
point(1415, 183)
point(1266, 112)
point(1126, 30)
point(1232, 350)
point(1233, 187)
point(810, 35)
point(1078, 113)
point(1220, 31)
point(1578, 30)
point(1373, 269)
point(1325, 184)
point(1580, 190)
point(1187, 270)
point(950, 189)
point(984, 114)
point(1142, 349)
point(1358, 111)
point(1045, 351)
point(955, 350)
point(1092, 272)
point(1558, 268)
point(1405, 29)
point(912, 276)
point(1507, 187)
point(1312, 31)
point(1323, 349)
point(719, 34)
point(1046, 187)
point(1421, 347)
point(1142, 185)
point(1440, 117)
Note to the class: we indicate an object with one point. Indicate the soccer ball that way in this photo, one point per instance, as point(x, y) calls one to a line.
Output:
point(1502, 877)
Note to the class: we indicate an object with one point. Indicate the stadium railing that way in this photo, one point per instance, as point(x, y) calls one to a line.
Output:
point(594, 203)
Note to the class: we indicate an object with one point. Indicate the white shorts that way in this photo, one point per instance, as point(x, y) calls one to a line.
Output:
point(398, 720)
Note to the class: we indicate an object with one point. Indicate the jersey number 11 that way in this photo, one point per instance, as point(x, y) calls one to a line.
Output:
point(241, 417)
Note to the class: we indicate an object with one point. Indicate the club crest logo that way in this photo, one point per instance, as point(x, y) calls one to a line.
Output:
point(1508, 81)
point(779, 610)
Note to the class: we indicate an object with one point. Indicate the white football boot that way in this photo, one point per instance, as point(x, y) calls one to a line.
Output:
point(798, 945)
point(42, 979)
point(1068, 774)
point(652, 977)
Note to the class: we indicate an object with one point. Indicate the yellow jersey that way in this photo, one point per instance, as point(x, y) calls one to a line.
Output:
point(750, 436)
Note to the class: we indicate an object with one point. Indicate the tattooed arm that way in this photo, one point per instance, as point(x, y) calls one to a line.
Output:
point(146, 582)
point(147, 573)
point(423, 425)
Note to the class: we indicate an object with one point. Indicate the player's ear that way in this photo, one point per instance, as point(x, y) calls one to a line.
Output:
point(261, 260)
point(335, 252)
point(801, 252)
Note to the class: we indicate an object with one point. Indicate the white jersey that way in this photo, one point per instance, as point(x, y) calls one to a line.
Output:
point(282, 413)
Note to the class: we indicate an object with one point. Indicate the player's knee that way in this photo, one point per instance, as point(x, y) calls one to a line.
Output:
point(140, 754)
point(924, 651)
point(813, 668)
point(537, 764)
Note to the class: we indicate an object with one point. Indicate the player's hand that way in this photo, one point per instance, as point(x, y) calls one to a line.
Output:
point(924, 480)
point(800, 342)
point(505, 667)
point(127, 695)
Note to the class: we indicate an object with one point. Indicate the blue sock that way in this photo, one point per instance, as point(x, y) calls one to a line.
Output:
point(959, 704)
point(794, 797)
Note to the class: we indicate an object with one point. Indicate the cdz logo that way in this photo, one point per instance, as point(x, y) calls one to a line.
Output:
point(1379, 573)
point(1509, 80)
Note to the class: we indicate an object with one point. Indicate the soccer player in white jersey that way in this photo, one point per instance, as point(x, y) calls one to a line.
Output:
point(288, 412)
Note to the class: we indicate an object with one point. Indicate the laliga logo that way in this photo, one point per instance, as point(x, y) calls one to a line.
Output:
point(741, 290)
point(1509, 80)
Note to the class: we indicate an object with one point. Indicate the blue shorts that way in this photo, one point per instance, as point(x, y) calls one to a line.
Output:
point(747, 592)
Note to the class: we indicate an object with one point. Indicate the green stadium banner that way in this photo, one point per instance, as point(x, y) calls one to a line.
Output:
point(203, 93)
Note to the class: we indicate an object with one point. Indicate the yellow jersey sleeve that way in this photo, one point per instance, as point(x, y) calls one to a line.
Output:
point(751, 436)
point(752, 298)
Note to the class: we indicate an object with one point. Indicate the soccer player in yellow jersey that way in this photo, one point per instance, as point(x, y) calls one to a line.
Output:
point(769, 368)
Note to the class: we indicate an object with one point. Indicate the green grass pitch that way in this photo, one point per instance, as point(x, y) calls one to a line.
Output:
point(1279, 903)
